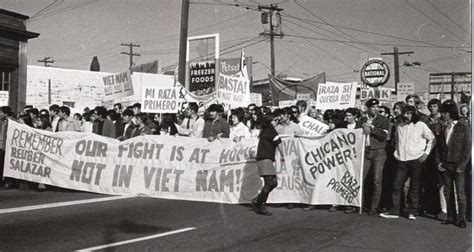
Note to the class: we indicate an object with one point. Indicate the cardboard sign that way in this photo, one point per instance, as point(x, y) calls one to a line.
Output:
point(160, 100)
point(233, 91)
point(288, 103)
point(4, 95)
point(256, 99)
point(333, 95)
point(404, 89)
point(312, 126)
point(303, 96)
point(118, 85)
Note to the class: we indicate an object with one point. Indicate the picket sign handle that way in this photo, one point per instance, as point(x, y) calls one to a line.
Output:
point(362, 175)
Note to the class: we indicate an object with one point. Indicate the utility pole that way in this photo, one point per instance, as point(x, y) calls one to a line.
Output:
point(395, 54)
point(131, 54)
point(46, 61)
point(271, 11)
point(183, 40)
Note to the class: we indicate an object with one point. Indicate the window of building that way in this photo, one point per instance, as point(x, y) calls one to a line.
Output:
point(5, 79)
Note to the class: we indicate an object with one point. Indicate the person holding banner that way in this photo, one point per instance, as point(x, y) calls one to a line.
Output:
point(375, 128)
point(67, 123)
point(142, 128)
point(128, 125)
point(216, 127)
point(266, 148)
point(193, 124)
point(102, 125)
point(238, 130)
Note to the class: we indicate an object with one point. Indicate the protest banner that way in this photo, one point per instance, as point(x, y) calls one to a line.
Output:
point(4, 95)
point(312, 126)
point(323, 170)
point(404, 89)
point(160, 100)
point(233, 91)
point(303, 96)
point(118, 85)
point(333, 95)
point(256, 99)
point(380, 93)
point(288, 103)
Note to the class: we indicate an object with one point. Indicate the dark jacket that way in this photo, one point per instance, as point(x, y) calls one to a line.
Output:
point(458, 149)
point(104, 128)
point(128, 132)
point(267, 144)
point(378, 135)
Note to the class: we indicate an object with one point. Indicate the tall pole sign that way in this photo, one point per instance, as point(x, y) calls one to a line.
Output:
point(375, 73)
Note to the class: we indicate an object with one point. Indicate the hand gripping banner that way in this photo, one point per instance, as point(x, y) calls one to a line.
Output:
point(322, 170)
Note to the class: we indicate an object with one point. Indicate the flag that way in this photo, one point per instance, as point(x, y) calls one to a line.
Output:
point(243, 65)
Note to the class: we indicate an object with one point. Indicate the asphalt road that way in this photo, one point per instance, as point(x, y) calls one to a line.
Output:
point(172, 225)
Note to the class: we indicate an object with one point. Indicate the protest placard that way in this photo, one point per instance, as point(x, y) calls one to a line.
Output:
point(233, 91)
point(160, 100)
point(118, 85)
point(333, 95)
point(404, 89)
point(315, 170)
point(287, 103)
point(256, 99)
point(312, 126)
point(4, 95)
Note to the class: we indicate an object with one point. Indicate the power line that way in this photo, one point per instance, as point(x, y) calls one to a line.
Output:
point(446, 16)
point(325, 35)
point(368, 32)
point(66, 9)
point(434, 20)
point(325, 52)
point(335, 28)
point(47, 8)
point(371, 43)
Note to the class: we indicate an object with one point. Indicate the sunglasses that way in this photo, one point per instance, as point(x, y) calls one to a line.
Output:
point(381, 111)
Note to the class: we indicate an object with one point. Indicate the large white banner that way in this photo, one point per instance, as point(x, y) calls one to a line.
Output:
point(323, 170)
point(332, 95)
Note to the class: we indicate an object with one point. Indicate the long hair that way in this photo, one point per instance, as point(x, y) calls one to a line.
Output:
point(266, 121)
point(414, 115)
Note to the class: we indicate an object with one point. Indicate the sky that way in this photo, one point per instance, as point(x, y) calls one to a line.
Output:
point(331, 36)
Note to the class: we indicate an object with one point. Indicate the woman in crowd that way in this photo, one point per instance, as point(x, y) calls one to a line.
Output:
point(167, 126)
point(255, 122)
point(267, 145)
point(238, 129)
point(43, 122)
point(142, 128)
point(87, 124)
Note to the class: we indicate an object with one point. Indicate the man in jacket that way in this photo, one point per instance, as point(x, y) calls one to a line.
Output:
point(375, 128)
point(102, 125)
point(454, 151)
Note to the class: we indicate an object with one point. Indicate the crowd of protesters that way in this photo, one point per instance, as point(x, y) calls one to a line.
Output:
point(414, 163)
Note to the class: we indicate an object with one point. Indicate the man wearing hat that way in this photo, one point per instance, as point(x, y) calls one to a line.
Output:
point(375, 128)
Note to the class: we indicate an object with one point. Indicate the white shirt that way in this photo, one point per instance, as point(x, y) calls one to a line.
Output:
point(351, 126)
point(413, 140)
point(450, 131)
point(239, 130)
point(196, 127)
